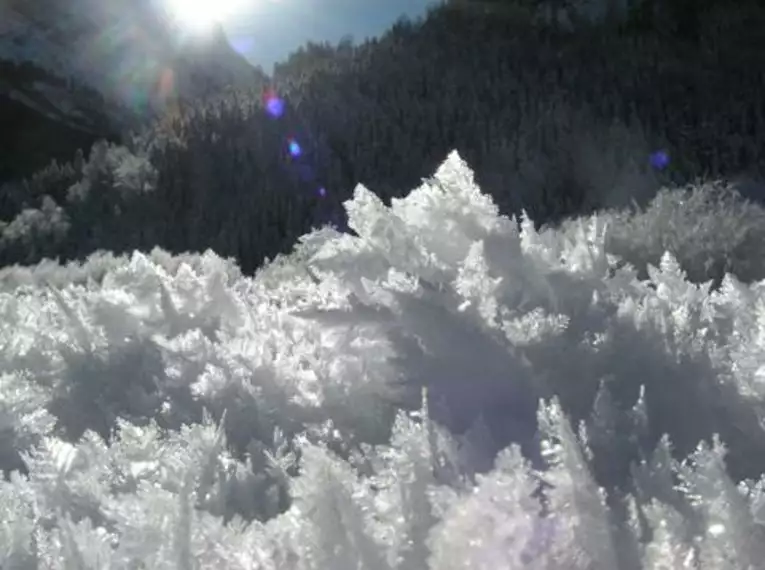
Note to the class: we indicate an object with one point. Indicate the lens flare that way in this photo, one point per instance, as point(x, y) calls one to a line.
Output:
point(294, 148)
point(201, 15)
point(242, 45)
point(659, 159)
point(274, 105)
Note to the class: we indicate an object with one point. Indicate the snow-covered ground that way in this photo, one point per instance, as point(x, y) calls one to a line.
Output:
point(295, 400)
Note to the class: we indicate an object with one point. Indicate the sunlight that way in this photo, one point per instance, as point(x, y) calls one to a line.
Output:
point(201, 15)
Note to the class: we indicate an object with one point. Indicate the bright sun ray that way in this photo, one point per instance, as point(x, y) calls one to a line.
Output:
point(200, 15)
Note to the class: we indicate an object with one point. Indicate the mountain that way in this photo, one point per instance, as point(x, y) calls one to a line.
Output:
point(76, 71)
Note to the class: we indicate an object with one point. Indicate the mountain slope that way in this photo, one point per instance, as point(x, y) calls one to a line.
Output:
point(73, 72)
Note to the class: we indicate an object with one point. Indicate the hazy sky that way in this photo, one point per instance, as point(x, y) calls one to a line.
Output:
point(271, 29)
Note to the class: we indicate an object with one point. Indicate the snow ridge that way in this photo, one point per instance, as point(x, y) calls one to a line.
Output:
point(445, 388)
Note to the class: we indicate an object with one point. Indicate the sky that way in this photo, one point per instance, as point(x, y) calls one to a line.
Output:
point(267, 31)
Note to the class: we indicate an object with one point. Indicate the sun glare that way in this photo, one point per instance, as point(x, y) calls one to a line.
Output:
point(201, 15)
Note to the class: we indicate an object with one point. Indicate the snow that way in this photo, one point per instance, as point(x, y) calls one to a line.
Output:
point(440, 389)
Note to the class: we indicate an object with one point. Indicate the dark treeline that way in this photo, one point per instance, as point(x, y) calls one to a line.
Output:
point(558, 120)
point(31, 136)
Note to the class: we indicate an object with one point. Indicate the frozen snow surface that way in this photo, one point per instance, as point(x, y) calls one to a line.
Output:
point(442, 389)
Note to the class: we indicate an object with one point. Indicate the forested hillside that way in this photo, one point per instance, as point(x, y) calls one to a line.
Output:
point(554, 120)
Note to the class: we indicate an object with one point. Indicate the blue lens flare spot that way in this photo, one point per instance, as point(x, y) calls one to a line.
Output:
point(294, 148)
point(659, 159)
point(305, 172)
point(242, 45)
point(322, 192)
point(274, 104)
